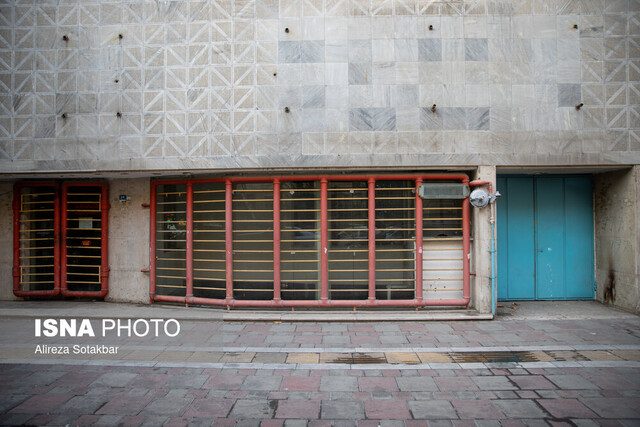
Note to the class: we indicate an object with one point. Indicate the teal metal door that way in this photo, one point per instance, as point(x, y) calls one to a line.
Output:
point(545, 238)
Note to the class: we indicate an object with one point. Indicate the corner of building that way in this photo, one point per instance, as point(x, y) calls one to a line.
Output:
point(129, 241)
point(6, 244)
point(481, 293)
point(617, 236)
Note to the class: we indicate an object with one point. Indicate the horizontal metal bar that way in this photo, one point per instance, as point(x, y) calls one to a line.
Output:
point(222, 270)
point(84, 256)
point(36, 194)
point(222, 190)
point(253, 271)
point(36, 239)
point(171, 277)
point(37, 257)
point(300, 271)
point(36, 210)
point(208, 288)
point(35, 282)
point(169, 286)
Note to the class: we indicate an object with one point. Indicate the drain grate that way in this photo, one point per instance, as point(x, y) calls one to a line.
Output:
point(493, 357)
point(359, 359)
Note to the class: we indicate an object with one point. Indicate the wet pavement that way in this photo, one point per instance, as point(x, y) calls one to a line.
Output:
point(523, 368)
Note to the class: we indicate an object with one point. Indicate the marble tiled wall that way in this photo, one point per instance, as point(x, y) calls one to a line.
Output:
point(134, 84)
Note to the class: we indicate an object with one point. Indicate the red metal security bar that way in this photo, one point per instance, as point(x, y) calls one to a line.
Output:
point(60, 239)
point(302, 241)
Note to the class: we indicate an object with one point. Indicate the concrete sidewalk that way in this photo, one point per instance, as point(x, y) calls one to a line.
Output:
point(579, 364)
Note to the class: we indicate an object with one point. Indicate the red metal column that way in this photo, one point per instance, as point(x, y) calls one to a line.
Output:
point(228, 235)
point(104, 240)
point(16, 241)
point(324, 242)
point(17, 263)
point(62, 265)
point(419, 241)
point(189, 260)
point(276, 240)
point(152, 244)
point(372, 238)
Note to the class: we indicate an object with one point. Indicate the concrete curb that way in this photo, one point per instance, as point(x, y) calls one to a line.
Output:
point(100, 310)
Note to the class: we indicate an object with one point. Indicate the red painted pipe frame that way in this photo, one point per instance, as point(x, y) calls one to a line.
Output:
point(17, 192)
point(59, 239)
point(324, 300)
point(104, 244)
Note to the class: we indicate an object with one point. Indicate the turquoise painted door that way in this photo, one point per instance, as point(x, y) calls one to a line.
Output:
point(545, 238)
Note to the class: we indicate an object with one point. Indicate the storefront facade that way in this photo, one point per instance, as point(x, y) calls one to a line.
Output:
point(273, 154)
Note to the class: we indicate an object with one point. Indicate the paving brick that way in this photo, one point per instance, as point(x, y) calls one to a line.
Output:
point(334, 383)
point(407, 358)
point(387, 410)
point(342, 410)
point(298, 409)
point(432, 410)
point(303, 358)
point(378, 384)
point(186, 381)
point(209, 408)
point(416, 384)
point(614, 407)
point(124, 405)
point(253, 408)
point(224, 382)
point(571, 382)
point(8, 401)
point(477, 409)
point(455, 383)
point(522, 408)
point(42, 403)
point(532, 382)
point(300, 383)
point(494, 383)
point(114, 379)
point(262, 383)
point(566, 408)
point(82, 405)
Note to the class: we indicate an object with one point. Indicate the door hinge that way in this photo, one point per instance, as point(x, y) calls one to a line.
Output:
point(595, 287)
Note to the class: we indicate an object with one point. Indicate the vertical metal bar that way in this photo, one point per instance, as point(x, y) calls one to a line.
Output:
point(228, 235)
point(189, 258)
point(419, 240)
point(152, 240)
point(104, 236)
point(324, 240)
point(57, 240)
point(372, 239)
point(466, 244)
point(276, 239)
point(17, 197)
point(63, 241)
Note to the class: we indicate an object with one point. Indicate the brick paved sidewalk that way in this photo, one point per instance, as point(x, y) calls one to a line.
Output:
point(503, 372)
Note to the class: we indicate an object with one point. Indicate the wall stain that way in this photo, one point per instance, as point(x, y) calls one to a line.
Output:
point(609, 291)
